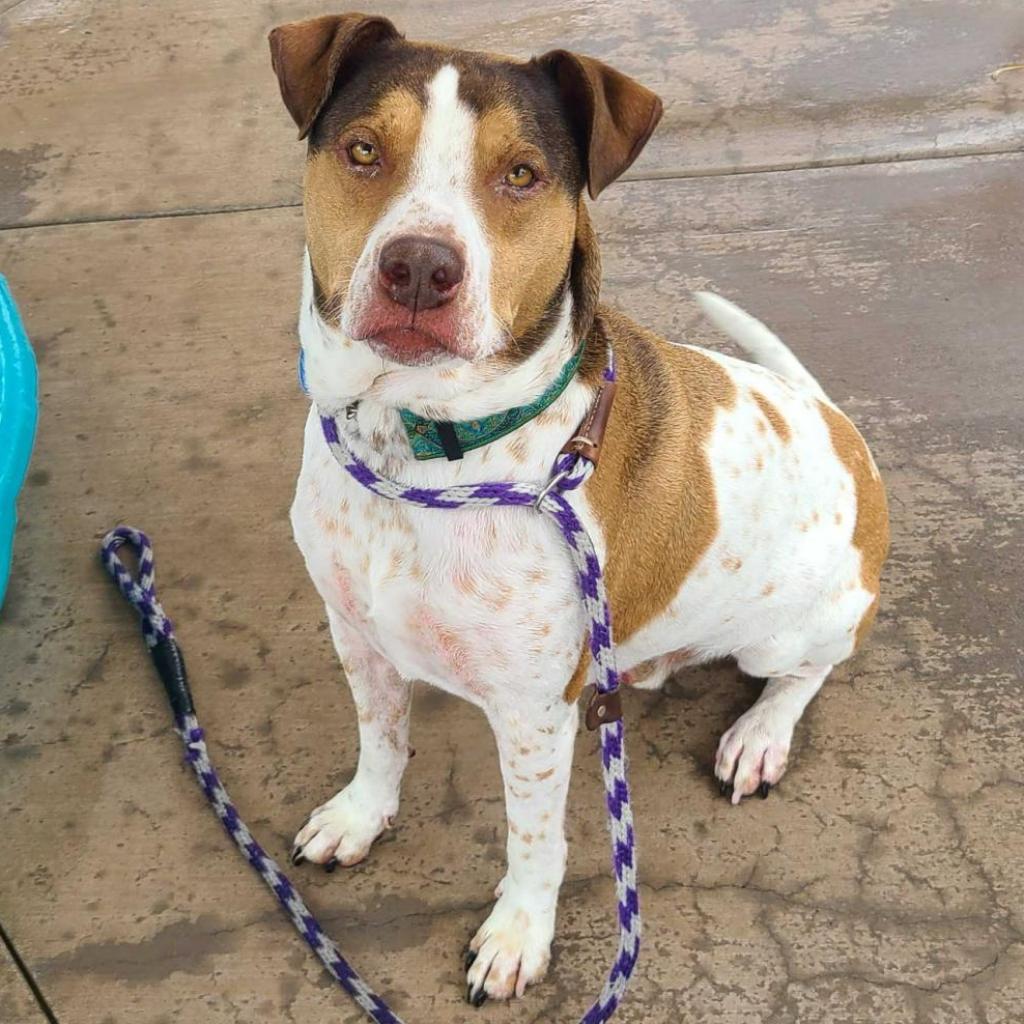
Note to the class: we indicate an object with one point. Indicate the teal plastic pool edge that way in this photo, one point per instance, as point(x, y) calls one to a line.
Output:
point(19, 410)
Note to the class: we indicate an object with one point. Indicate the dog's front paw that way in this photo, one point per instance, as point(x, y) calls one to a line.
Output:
point(511, 950)
point(342, 830)
point(752, 755)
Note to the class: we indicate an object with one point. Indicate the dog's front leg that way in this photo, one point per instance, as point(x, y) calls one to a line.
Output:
point(342, 830)
point(512, 948)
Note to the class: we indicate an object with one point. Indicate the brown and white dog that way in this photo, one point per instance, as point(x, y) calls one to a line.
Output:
point(451, 270)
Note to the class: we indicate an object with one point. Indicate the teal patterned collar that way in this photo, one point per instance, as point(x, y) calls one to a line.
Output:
point(441, 439)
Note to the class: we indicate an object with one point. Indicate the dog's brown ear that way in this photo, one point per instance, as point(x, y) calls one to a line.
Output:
point(613, 115)
point(308, 56)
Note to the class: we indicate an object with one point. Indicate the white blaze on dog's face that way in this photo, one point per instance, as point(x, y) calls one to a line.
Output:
point(421, 287)
point(442, 188)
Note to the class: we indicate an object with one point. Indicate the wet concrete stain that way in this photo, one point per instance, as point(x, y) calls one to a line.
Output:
point(234, 675)
point(184, 946)
point(197, 461)
point(20, 172)
point(104, 313)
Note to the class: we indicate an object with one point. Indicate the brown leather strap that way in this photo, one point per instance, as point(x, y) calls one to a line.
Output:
point(588, 438)
point(603, 709)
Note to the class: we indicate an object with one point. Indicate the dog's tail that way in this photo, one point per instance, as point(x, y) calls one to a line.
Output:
point(756, 340)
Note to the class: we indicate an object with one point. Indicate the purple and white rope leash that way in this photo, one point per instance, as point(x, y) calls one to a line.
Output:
point(571, 470)
point(158, 632)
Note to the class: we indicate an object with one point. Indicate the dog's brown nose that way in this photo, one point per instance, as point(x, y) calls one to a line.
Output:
point(419, 272)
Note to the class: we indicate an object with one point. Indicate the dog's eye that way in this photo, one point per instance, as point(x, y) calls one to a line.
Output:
point(521, 176)
point(364, 153)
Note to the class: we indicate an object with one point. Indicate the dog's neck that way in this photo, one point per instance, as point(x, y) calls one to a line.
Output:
point(364, 392)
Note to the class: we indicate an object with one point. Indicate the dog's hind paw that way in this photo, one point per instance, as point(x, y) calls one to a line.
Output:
point(752, 755)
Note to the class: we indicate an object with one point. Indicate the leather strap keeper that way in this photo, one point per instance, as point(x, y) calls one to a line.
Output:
point(603, 709)
point(587, 440)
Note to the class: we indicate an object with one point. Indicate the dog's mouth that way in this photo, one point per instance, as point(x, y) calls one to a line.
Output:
point(409, 345)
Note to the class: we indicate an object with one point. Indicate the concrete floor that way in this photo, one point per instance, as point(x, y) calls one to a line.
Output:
point(845, 168)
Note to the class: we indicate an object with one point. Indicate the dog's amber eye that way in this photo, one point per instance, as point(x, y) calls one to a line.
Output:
point(521, 176)
point(363, 153)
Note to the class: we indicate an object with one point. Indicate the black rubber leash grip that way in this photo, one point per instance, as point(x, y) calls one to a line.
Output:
point(170, 666)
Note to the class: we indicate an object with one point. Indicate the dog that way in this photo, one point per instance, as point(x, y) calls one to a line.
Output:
point(452, 275)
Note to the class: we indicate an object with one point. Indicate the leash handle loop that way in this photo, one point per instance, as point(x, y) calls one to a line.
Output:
point(140, 590)
point(157, 629)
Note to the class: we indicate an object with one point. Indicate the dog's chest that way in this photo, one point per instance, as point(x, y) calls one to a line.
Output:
point(470, 600)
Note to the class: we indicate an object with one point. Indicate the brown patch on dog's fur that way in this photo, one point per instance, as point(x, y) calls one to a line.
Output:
point(342, 206)
point(532, 236)
point(653, 491)
point(584, 272)
point(773, 416)
point(871, 530)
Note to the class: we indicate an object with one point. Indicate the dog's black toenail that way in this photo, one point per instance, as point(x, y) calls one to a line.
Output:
point(723, 787)
point(469, 994)
point(331, 865)
point(470, 958)
point(764, 789)
point(479, 999)
point(297, 857)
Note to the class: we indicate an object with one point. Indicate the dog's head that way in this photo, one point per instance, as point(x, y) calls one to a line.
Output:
point(443, 187)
